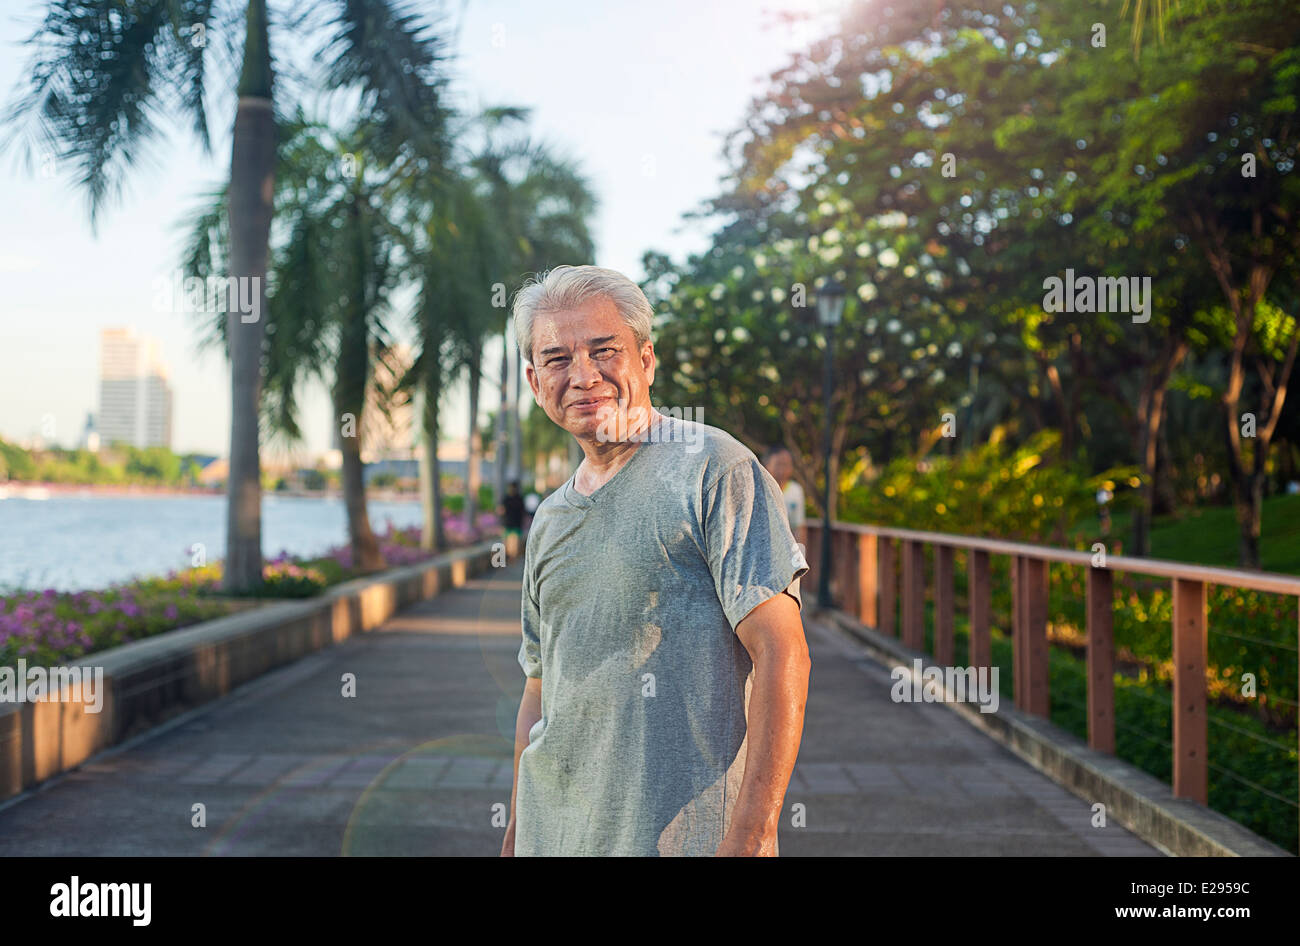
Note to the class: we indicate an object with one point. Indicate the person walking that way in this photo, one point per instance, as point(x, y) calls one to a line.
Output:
point(780, 463)
point(511, 511)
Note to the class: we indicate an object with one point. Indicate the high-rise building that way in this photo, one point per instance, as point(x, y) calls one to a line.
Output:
point(135, 396)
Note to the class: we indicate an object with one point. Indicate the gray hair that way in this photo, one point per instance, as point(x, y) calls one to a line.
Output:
point(568, 287)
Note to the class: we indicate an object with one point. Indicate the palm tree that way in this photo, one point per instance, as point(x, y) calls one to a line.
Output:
point(541, 205)
point(506, 206)
point(460, 262)
point(331, 274)
point(103, 68)
point(331, 284)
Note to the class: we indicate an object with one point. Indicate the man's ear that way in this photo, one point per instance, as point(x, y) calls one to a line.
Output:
point(531, 374)
point(648, 362)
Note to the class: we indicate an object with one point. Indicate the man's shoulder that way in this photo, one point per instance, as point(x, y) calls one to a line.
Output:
point(710, 449)
point(548, 503)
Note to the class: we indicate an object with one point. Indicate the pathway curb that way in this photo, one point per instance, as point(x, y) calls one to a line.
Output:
point(149, 681)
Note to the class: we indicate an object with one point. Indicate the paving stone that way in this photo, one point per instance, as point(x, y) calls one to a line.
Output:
point(420, 761)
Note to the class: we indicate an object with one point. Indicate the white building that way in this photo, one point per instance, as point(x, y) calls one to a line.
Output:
point(135, 395)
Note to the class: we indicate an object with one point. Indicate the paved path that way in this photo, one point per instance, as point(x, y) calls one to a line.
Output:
point(414, 764)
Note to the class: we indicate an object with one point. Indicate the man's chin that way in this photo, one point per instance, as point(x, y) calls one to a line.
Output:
point(587, 428)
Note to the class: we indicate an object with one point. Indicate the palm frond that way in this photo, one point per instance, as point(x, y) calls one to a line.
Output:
point(395, 59)
point(100, 74)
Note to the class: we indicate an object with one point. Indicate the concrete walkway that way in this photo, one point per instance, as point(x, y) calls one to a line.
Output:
point(415, 763)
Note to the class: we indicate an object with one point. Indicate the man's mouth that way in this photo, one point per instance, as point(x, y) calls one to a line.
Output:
point(589, 402)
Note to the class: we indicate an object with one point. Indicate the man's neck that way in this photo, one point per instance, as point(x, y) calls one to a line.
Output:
point(603, 458)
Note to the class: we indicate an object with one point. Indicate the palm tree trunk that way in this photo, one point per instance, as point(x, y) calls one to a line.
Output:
point(433, 537)
point(365, 547)
point(351, 379)
point(474, 446)
point(503, 432)
point(516, 436)
point(252, 175)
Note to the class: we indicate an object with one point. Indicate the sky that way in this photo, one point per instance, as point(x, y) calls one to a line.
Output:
point(640, 95)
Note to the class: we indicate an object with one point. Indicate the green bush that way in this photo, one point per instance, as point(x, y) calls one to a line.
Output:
point(1023, 493)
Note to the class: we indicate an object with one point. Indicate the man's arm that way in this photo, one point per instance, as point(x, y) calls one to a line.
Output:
point(530, 711)
point(773, 634)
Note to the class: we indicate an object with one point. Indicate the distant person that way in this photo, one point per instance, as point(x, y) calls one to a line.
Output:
point(512, 512)
point(1104, 496)
point(780, 464)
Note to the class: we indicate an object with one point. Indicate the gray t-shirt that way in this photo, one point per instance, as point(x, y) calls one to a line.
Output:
point(630, 602)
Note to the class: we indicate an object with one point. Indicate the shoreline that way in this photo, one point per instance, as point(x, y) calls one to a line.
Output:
point(36, 492)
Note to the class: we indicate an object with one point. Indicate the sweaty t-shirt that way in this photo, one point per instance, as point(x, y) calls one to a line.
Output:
point(630, 602)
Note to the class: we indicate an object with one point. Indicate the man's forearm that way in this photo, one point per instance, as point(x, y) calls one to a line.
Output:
point(530, 711)
point(776, 709)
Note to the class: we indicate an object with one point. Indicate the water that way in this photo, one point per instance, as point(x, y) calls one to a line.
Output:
point(87, 541)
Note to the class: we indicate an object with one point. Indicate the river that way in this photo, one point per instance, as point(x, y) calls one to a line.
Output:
point(86, 541)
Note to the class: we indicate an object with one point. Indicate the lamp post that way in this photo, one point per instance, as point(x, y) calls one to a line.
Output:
point(830, 307)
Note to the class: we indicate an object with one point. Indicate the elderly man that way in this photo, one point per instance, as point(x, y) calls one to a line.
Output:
point(665, 658)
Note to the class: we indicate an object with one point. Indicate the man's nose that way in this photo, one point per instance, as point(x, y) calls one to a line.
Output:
point(584, 372)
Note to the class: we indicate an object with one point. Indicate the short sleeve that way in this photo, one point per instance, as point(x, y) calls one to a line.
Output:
point(751, 551)
point(530, 650)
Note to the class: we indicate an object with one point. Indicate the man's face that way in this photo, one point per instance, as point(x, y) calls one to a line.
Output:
point(587, 366)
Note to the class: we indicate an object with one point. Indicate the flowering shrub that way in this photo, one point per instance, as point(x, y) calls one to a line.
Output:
point(50, 626)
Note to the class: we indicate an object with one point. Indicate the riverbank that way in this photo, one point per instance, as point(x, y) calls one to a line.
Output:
point(51, 627)
point(38, 491)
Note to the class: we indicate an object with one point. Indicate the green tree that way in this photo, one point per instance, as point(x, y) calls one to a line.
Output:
point(511, 207)
point(103, 69)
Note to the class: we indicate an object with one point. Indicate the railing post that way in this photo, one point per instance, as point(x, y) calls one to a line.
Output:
point(913, 595)
point(868, 612)
point(812, 554)
point(887, 586)
point(1191, 769)
point(1036, 654)
point(943, 605)
point(1101, 661)
point(979, 591)
point(1030, 654)
point(846, 569)
point(1017, 630)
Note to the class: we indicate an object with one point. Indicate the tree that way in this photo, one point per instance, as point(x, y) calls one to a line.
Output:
point(542, 205)
point(510, 207)
point(103, 68)
point(334, 265)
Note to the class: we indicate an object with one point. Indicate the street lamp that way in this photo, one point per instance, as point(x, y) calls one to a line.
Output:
point(830, 308)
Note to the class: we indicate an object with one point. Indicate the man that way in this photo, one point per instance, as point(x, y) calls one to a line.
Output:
point(511, 511)
point(666, 662)
point(780, 464)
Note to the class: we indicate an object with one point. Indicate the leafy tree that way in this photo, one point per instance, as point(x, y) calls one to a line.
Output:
point(103, 69)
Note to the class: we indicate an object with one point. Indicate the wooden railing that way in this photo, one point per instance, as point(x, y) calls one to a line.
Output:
point(865, 563)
